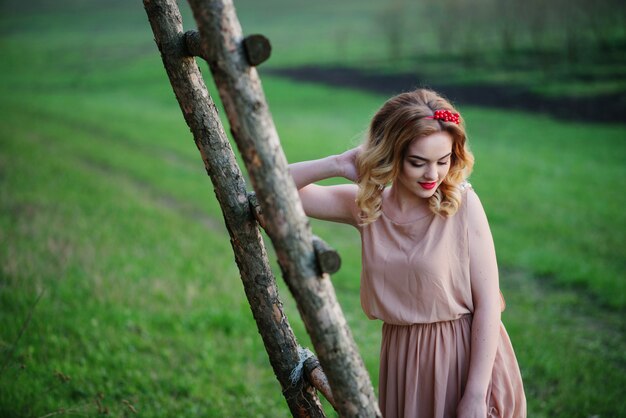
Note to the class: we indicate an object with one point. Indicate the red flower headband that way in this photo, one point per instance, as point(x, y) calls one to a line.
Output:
point(445, 115)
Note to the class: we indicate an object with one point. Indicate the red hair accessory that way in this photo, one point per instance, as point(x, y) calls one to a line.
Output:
point(445, 115)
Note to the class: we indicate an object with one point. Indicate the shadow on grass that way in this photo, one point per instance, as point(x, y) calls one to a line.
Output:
point(609, 107)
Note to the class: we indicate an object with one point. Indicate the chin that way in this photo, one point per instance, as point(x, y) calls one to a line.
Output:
point(425, 194)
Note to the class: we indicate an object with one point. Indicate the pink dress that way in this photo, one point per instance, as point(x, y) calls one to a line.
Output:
point(416, 279)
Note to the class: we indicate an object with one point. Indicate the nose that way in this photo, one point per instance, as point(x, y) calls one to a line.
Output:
point(431, 173)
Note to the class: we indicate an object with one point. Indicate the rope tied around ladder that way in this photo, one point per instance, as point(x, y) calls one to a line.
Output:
point(297, 373)
point(309, 372)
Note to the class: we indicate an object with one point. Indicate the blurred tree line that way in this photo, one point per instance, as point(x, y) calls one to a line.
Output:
point(553, 29)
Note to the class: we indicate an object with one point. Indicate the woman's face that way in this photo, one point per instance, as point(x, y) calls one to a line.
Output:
point(425, 164)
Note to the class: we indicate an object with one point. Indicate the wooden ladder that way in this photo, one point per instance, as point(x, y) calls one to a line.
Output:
point(306, 262)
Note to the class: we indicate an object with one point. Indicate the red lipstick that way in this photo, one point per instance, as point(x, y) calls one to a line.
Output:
point(428, 186)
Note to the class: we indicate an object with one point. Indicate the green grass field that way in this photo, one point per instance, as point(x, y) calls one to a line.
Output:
point(118, 289)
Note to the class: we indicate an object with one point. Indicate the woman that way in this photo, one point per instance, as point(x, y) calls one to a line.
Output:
point(429, 268)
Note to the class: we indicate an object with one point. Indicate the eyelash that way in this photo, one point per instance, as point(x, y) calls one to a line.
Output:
point(422, 165)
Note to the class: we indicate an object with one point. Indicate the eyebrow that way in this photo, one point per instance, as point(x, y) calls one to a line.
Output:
point(417, 157)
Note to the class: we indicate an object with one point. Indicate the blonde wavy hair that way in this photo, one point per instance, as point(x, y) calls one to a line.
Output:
point(396, 124)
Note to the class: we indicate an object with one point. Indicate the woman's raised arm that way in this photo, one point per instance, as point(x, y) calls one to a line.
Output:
point(331, 203)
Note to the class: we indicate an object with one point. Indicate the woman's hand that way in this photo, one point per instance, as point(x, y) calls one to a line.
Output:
point(347, 163)
point(472, 407)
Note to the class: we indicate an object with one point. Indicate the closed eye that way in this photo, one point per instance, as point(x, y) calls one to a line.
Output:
point(417, 161)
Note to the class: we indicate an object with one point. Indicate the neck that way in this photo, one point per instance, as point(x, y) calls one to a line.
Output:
point(403, 202)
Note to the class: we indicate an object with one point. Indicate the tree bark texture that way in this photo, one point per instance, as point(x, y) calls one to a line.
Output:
point(328, 259)
point(259, 283)
point(287, 226)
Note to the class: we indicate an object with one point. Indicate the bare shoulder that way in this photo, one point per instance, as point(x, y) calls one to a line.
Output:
point(476, 216)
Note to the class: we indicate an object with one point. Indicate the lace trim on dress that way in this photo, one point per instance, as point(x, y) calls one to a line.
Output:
point(466, 185)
